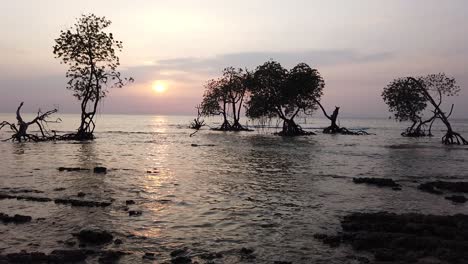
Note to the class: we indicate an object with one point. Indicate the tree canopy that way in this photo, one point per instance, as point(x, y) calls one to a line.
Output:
point(277, 92)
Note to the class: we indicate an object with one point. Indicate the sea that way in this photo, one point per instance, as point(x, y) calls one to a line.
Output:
point(218, 192)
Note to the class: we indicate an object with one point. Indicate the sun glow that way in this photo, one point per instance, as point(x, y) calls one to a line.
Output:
point(159, 87)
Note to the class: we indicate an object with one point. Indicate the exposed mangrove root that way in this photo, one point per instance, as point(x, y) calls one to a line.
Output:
point(291, 129)
point(20, 132)
point(452, 138)
point(418, 129)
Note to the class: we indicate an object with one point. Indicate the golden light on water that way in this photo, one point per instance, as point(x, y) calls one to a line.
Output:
point(159, 87)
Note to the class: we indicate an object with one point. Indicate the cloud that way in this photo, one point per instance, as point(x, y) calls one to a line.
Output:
point(214, 65)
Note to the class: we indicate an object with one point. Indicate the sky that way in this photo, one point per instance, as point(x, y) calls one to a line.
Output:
point(358, 47)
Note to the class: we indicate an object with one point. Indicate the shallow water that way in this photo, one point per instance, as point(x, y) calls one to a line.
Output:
point(251, 189)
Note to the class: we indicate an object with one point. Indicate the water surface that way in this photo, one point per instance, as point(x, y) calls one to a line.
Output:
point(251, 189)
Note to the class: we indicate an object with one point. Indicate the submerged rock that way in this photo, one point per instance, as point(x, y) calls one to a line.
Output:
point(134, 213)
point(100, 170)
point(211, 256)
point(34, 198)
point(6, 196)
point(407, 238)
point(72, 169)
point(149, 256)
point(332, 241)
point(94, 235)
point(437, 187)
point(84, 203)
point(247, 253)
point(110, 256)
point(61, 256)
point(25, 257)
point(181, 256)
point(67, 256)
point(81, 194)
point(129, 202)
point(17, 219)
point(457, 198)
point(380, 182)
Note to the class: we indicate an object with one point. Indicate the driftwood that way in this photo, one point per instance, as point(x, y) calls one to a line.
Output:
point(334, 128)
point(20, 131)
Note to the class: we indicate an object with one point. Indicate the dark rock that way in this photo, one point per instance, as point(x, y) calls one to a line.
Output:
point(180, 252)
point(129, 202)
point(457, 198)
point(332, 241)
point(64, 256)
point(109, 257)
point(436, 187)
point(15, 190)
point(149, 255)
point(6, 196)
point(380, 182)
point(246, 251)
point(94, 236)
point(118, 241)
point(407, 238)
point(81, 194)
point(211, 256)
point(17, 219)
point(72, 169)
point(70, 242)
point(25, 257)
point(134, 213)
point(34, 199)
point(181, 260)
point(59, 189)
point(428, 187)
point(100, 170)
point(82, 203)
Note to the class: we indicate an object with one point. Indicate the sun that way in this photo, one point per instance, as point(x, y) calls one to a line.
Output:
point(159, 87)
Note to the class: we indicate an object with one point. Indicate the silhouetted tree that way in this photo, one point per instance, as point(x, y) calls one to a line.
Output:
point(20, 132)
point(408, 98)
point(236, 83)
point(215, 102)
point(90, 53)
point(225, 96)
point(279, 93)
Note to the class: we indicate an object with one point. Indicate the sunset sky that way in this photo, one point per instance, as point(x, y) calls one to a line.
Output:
point(176, 46)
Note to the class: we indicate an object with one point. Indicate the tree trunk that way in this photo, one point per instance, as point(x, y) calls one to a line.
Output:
point(333, 128)
point(290, 129)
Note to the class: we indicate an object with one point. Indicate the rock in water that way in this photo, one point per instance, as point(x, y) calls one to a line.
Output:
point(17, 219)
point(100, 170)
point(135, 213)
point(94, 235)
point(380, 182)
point(457, 198)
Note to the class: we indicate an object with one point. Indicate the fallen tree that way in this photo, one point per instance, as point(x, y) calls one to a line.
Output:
point(20, 131)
